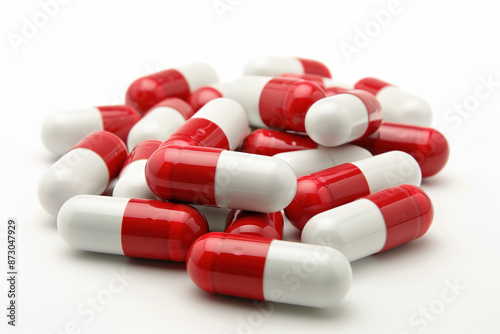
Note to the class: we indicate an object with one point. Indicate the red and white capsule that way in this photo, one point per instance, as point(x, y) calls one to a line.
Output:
point(272, 142)
point(428, 146)
point(342, 184)
point(88, 168)
point(131, 182)
point(215, 177)
point(179, 82)
point(160, 121)
point(279, 103)
point(64, 129)
point(399, 106)
point(272, 66)
point(342, 118)
point(305, 162)
point(266, 269)
point(267, 225)
point(220, 123)
point(374, 223)
point(132, 227)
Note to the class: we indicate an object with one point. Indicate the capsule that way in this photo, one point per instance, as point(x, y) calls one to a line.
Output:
point(140, 228)
point(342, 184)
point(160, 121)
point(131, 182)
point(271, 142)
point(342, 118)
point(399, 106)
point(88, 168)
point(272, 66)
point(305, 162)
point(271, 270)
point(215, 177)
point(179, 82)
point(220, 123)
point(267, 225)
point(64, 129)
point(374, 223)
point(279, 103)
point(428, 146)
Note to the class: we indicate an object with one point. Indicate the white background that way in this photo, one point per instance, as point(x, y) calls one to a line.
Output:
point(89, 51)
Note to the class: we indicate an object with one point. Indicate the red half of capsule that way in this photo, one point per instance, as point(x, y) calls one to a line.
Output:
point(202, 96)
point(198, 132)
point(267, 225)
point(373, 108)
point(180, 105)
point(325, 190)
point(428, 146)
point(407, 213)
point(119, 119)
point(109, 147)
point(183, 174)
point(284, 102)
point(315, 67)
point(372, 85)
point(142, 151)
point(317, 79)
point(271, 142)
point(147, 91)
point(229, 264)
point(160, 230)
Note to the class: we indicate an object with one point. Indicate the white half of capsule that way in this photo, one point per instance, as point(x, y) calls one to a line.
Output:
point(303, 274)
point(93, 223)
point(389, 170)
point(305, 162)
point(336, 120)
point(198, 74)
point(132, 182)
point(400, 106)
point(230, 116)
point(253, 182)
point(157, 124)
point(272, 66)
point(80, 171)
point(64, 129)
point(246, 91)
point(356, 229)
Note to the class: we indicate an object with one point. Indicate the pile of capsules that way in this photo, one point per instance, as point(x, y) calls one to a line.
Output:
point(282, 140)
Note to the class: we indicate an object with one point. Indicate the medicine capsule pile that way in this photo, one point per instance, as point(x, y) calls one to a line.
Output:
point(213, 173)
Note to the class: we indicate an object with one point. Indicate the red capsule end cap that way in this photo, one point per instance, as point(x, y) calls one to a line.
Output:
point(160, 230)
point(284, 102)
point(143, 93)
point(142, 151)
point(372, 85)
point(407, 212)
point(180, 105)
point(202, 96)
point(310, 199)
point(315, 67)
point(437, 152)
point(271, 142)
point(229, 264)
point(119, 119)
point(267, 225)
